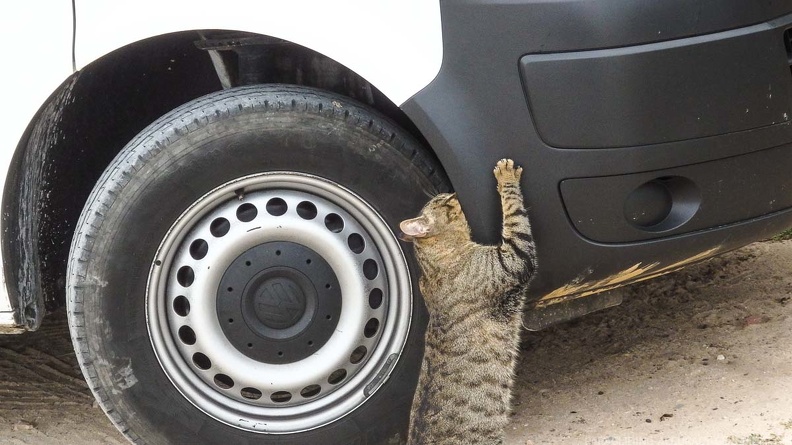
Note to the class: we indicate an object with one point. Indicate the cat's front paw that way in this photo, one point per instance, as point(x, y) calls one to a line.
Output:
point(506, 172)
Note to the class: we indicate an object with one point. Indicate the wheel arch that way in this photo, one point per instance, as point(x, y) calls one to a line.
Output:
point(89, 119)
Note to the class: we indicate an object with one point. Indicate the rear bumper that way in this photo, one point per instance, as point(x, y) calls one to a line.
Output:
point(639, 154)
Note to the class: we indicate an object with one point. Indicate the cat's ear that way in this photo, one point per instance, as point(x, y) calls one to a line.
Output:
point(416, 227)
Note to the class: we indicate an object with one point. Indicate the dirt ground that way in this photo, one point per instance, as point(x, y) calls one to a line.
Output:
point(702, 356)
point(699, 357)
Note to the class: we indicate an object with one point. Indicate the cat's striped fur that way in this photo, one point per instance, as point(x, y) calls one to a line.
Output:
point(475, 295)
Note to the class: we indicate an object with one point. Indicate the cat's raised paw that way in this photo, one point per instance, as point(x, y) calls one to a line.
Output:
point(505, 172)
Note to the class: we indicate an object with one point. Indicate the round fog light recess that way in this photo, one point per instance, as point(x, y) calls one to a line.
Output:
point(662, 204)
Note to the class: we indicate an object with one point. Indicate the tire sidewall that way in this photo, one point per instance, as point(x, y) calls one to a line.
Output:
point(159, 175)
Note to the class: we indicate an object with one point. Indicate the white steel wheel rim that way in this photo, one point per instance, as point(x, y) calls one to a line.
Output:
point(183, 308)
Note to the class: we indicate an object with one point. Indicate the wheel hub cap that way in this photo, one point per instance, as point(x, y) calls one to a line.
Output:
point(278, 302)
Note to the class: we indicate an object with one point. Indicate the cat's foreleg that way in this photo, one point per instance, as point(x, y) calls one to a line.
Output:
point(516, 253)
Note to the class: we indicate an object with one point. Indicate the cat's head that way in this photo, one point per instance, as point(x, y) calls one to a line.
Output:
point(441, 216)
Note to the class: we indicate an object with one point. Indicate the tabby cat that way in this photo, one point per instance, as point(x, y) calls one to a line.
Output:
point(475, 295)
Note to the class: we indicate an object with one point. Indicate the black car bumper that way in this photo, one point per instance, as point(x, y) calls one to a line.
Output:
point(653, 135)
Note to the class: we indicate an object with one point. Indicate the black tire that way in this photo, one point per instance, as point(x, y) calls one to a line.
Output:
point(173, 164)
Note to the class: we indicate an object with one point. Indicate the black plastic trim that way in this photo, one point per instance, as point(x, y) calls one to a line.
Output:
point(723, 191)
point(660, 92)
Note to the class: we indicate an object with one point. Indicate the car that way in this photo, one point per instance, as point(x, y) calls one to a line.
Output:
point(213, 191)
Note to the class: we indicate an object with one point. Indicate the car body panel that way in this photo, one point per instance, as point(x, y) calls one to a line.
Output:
point(475, 113)
point(370, 39)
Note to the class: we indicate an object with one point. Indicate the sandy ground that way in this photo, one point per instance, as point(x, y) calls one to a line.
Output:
point(702, 356)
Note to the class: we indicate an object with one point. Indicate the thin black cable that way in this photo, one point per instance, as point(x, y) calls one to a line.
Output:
point(74, 36)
